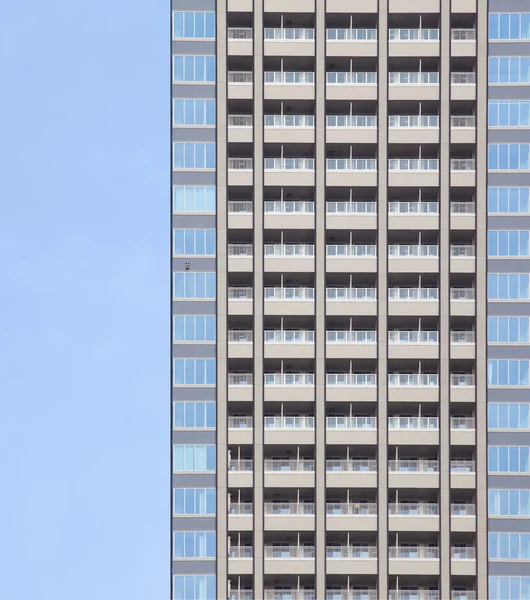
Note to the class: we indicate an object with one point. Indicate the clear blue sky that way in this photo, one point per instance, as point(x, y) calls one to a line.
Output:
point(84, 426)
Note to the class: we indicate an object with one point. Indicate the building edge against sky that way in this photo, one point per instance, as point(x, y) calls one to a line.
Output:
point(350, 215)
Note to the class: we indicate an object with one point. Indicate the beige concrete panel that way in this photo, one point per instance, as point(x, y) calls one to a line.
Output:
point(414, 523)
point(413, 265)
point(463, 524)
point(240, 135)
point(240, 264)
point(462, 264)
point(413, 135)
point(240, 47)
point(287, 351)
point(463, 393)
point(351, 308)
point(344, 6)
point(351, 566)
point(289, 523)
point(413, 179)
point(462, 308)
point(463, 567)
point(463, 437)
point(240, 479)
point(240, 393)
point(240, 350)
point(289, 178)
point(295, 6)
point(351, 264)
point(409, 566)
point(413, 351)
point(463, 91)
point(413, 394)
point(289, 479)
point(286, 135)
point(409, 91)
point(350, 394)
point(289, 393)
point(416, 48)
point(351, 135)
point(289, 47)
point(413, 480)
point(463, 178)
point(240, 6)
point(461, 481)
point(360, 437)
point(351, 222)
point(351, 522)
point(240, 522)
point(351, 350)
point(351, 479)
point(289, 221)
point(412, 437)
point(351, 47)
point(289, 91)
point(462, 135)
point(240, 566)
point(463, 351)
point(240, 307)
point(413, 222)
point(239, 436)
point(240, 177)
point(407, 308)
point(288, 264)
point(465, 6)
point(289, 307)
point(351, 178)
point(462, 221)
point(289, 566)
point(240, 220)
point(289, 436)
point(463, 48)
point(240, 91)
point(414, 6)
point(351, 92)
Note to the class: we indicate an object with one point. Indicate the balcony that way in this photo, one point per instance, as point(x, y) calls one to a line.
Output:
point(463, 472)
point(289, 560)
point(356, 258)
point(413, 215)
point(240, 473)
point(405, 301)
point(463, 595)
point(240, 343)
point(279, 129)
point(240, 171)
point(463, 345)
point(289, 473)
point(240, 300)
point(353, 473)
point(353, 559)
point(420, 516)
point(289, 41)
point(414, 42)
point(413, 129)
point(245, 594)
point(240, 258)
point(351, 85)
point(289, 85)
point(351, 42)
point(289, 387)
point(339, 172)
point(413, 85)
point(240, 430)
point(463, 431)
point(462, 301)
point(339, 387)
point(416, 258)
point(285, 172)
point(414, 560)
point(463, 42)
point(240, 560)
point(240, 85)
point(351, 215)
point(344, 301)
point(284, 431)
point(285, 343)
point(289, 594)
point(413, 473)
point(339, 430)
point(413, 387)
point(355, 594)
point(240, 214)
point(286, 301)
point(413, 344)
point(462, 258)
point(282, 258)
point(420, 172)
point(463, 561)
point(351, 129)
point(240, 387)
point(416, 431)
point(292, 214)
point(240, 516)
point(295, 516)
point(462, 387)
point(418, 593)
point(463, 129)
point(353, 344)
point(351, 516)
point(240, 129)
point(240, 41)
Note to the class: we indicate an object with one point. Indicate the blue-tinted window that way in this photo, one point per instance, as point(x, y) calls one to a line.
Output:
point(509, 113)
point(506, 546)
point(508, 286)
point(194, 587)
point(503, 373)
point(509, 26)
point(193, 198)
point(508, 330)
point(194, 242)
point(506, 243)
point(193, 328)
point(194, 458)
point(194, 415)
point(194, 286)
point(508, 459)
point(194, 371)
point(194, 25)
point(509, 588)
point(193, 69)
point(193, 544)
point(508, 157)
point(508, 415)
point(193, 155)
point(509, 503)
point(194, 501)
point(509, 200)
point(509, 69)
point(190, 111)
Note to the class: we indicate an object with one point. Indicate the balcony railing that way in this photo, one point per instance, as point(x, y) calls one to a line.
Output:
point(240, 508)
point(351, 164)
point(240, 33)
point(401, 336)
point(463, 35)
point(412, 35)
point(240, 250)
point(413, 251)
point(351, 508)
point(464, 78)
point(240, 207)
point(351, 77)
point(289, 207)
point(414, 552)
point(341, 294)
point(460, 423)
point(351, 422)
point(298, 379)
point(239, 76)
point(413, 465)
point(398, 121)
point(413, 208)
point(345, 594)
point(289, 552)
point(418, 509)
point(413, 164)
point(289, 422)
point(459, 121)
point(240, 552)
point(462, 466)
point(462, 379)
point(240, 336)
point(405, 294)
point(463, 595)
point(463, 510)
point(290, 77)
point(463, 553)
point(462, 164)
point(416, 594)
point(351, 337)
point(362, 250)
point(413, 379)
point(240, 379)
point(354, 35)
point(239, 120)
point(463, 208)
point(240, 422)
point(352, 379)
point(240, 293)
point(289, 508)
point(289, 336)
point(289, 465)
point(240, 164)
point(289, 164)
point(351, 551)
point(462, 293)
point(462, 250)
point(343, 465)
point(288, 594)
point(289, 121)
point(241, 465)
point(351, 121)
point(289, 293)
point(360, 208)
point(289, 34)
point(413, 78)
point(413, 423)
point(289, 250)
point(462, 337)
point(241, 595)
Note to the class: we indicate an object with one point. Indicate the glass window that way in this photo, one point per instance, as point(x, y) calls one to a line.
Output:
point(506, 243)
point(194, 587)
point(508, 113)
point(193, 544)
point(194, 242)
point(509, 69)
point(508, 459)
point(194, 371)
point(509, 26)
point(193, 458)
point(508, 157)
point(190, 111)
point(193, 155)
point(508, 330)
point(193, 328)
point(194, 501)
point(194, 286)
point(194, 415)
point(194, 25)
point(509, 546)
point(193, 69)
point(508, 286)
point(190, 198)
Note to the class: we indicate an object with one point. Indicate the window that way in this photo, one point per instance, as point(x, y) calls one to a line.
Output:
point(508, 330)
point(509, 69)
point(193, 198)
point(194, 371)
point(509, 26)
point(508, 286)
point(193, 69)
point(506, 503)
point(509, 546)
point(194, 242)
point(502, 373)
point(505, 243)
point(193, 155)
point(509, 588)
point(193, 328)
point(194, 587)
point(194, 286)
point(508, 157)
point(194, 544)
point(508, 459)
point(194, 458)
point(508, 415)
point(194, 501)
point(193, 112)
point(508, 113)
point(194, 415)
point(194, 25)
point(509, 200)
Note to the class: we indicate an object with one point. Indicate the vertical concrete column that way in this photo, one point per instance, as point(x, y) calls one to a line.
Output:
point(320, 297)
point(481, 300)
point(382, 302)
point(258, 298)
point(222, 307)
point(444, 450)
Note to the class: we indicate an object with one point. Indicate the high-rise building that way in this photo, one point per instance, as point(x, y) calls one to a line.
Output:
point(350, 299)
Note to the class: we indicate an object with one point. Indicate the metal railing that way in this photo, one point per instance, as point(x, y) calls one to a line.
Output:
point(345, 594)
point(241, 595)
point(289, 508)
point(240, 33)
point(239, 120)
point(240, 293)
point(289, 121)
point(289, 34)
point(341, 465)
point(289, 77)
point(289, 465)
point(302, 379)
point(463, 208)
point(462, 337)
point(289, 336)
point(463, 121)
point(289, 207)
point(413, 78)
point(413, 164)
point(288, 594)
point(464, 78)
point(240, 206)
point(351, 379)
point(289, 552)
point(289, 293)
point(463, 35)
point(240, 552)
point(413, 251)
point(463, 595)
point(351, 337)
point(351, 164)
point(239, 76)
point(351, 77)
point(462, 466)
point(240, 508)
point(351, 422)
point(414, 552)
point(240, 379)
point(241, 465)
point(404, 294)
point(351, 121)
point(240, 422)
point(289, 164)
point(351, 508)
point(360, 551)
point(402, 336)
point(353, 35)
point(417, 594)
point(240, 164)
point(344, 293)
point(463, 423)
point(463, 510)
point(351, 250)
point(413, 208)
point(413, 465)
point(462, 293)
point(462, 164)
point(462, 379)
point(243, 336)
point(289, 250)
point(414, 121)
point(360, 208)
point(240, 250)
point(413, 423)
point(414, 509)
point(289, 422)
point(462, 250)
point(463, 553)
point(413, 379)
point(411, 35)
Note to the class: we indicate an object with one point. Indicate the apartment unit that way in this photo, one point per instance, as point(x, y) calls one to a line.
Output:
point(336, 334)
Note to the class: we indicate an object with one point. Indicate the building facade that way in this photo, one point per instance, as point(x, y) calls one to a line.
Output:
point(350, 299)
